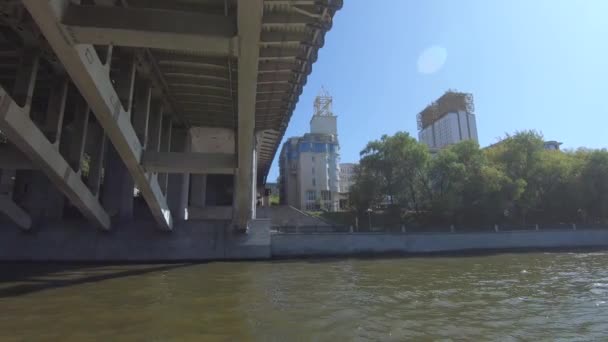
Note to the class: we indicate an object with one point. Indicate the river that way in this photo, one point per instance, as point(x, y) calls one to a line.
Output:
point(536, 296)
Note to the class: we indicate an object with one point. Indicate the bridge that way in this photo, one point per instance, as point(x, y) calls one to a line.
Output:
point(171, 104)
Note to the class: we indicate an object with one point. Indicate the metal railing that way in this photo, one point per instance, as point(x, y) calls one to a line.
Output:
point(309, 229)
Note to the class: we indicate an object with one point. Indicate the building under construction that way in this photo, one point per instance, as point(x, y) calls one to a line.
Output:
point(310, 165)
point(448, 120)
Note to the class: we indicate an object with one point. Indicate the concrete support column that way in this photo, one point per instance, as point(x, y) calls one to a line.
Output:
point(7, 181)
point(141, 112)
point(15, 213)
point(198, 188)
point(23, 89)
point(53, 121)
point(82, 64)
point(78, 135)
point(23, 92)
point(118, 186)
point(29, 139)
point(179, 184)
point(249, 24)
point(39, 196)
point(165, 146)
point(155, 127)
point(35, 193)
point(98, 138)
point(46, 202)
point(125, 82)
point(254, 181)
point(97, 150)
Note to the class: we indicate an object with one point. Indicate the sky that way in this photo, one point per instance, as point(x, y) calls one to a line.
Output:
point(530, 64)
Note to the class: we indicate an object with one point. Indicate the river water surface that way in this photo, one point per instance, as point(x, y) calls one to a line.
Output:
point(544, 296)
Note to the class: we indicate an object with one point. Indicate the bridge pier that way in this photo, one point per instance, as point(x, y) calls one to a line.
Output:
point(108, 96)
point(179, 183)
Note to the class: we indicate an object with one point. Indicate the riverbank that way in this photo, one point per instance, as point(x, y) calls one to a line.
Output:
point(213, 240)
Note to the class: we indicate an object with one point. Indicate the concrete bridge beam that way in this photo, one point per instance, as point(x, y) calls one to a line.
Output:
point(90, 76)
point(25, 135)
point(152, 28)
point(189, 162)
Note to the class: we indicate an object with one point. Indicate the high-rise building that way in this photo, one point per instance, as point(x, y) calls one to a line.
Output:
point(309, 165)
point(447, 121)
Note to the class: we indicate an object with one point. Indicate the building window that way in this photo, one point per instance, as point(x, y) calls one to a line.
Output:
point(311, 195)
point(312, 206)
point(313, 158)
point(325, 195)
point(314, 182)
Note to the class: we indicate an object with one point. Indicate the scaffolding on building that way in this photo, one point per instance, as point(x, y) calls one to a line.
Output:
point(451, 101)
point(323, 103)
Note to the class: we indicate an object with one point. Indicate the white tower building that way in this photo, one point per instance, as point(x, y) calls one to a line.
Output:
point(310, 165)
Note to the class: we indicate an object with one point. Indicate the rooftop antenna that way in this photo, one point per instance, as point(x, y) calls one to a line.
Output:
point(323, 103)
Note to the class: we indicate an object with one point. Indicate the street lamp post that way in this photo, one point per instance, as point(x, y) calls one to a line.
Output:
point(369, 216)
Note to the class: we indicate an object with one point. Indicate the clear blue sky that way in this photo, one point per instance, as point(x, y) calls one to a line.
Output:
point(530, 64)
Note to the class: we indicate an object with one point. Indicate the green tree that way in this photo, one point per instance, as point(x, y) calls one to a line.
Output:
point(559, 195)
point(519, 157)
point(466, 189)
point(594, 185)
point(444, 185)
point(515, 181)
point(396, 164)
point(366, 191)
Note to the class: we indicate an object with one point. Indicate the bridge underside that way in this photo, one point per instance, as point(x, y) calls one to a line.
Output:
point(121, 110)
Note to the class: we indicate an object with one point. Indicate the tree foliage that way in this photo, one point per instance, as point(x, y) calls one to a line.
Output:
point(390, 172)
point(515, 181)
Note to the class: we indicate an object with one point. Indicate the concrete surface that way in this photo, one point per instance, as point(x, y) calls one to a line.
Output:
point(346, 244)
point(200, 240)
point(136, 241)
point(286, 215)
point(211, 212)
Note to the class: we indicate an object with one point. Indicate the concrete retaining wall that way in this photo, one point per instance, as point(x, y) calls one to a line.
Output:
point(137, 241)
point(286, 215)
point(213, 240)
point(330, 244)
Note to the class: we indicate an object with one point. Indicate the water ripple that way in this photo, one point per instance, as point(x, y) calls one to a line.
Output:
point(510, 297)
